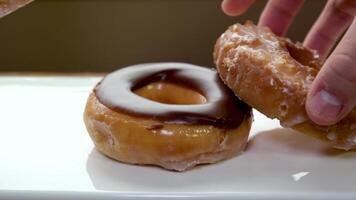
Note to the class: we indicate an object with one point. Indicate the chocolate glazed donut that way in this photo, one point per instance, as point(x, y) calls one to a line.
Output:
point(141, 130)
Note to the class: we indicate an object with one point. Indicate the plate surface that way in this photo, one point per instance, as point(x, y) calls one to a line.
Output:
point(46, 153)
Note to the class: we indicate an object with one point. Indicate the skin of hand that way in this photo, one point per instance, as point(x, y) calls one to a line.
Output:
point(9, 6)
point(333, 93)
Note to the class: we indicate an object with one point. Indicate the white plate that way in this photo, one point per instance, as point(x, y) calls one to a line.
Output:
point(46, 153)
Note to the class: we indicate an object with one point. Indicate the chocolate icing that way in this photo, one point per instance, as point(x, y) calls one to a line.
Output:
point(222, 109)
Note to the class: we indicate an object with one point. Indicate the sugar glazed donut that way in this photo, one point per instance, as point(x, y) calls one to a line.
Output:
point(274, 75)
point(172, 115)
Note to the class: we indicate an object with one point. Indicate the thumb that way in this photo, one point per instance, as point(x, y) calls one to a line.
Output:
point(333, 93)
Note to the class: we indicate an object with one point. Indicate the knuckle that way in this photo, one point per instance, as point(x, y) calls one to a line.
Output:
point(325, 36)
point(346, 6)
point(344, 66)
point(288, 10)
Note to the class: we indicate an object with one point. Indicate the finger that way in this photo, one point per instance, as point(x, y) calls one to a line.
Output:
point(333, 92)
point(278, 15)
point(236, 7)
point(333, 21)
point(9, 6)
point(347, 6)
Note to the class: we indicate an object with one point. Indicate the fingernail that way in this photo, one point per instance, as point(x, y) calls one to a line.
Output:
point(326, 106)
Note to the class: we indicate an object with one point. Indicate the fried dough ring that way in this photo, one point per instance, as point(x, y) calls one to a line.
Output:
point(273, 75)
point(130, 134)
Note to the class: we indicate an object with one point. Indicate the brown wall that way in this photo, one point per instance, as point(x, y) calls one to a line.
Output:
point(101, 35)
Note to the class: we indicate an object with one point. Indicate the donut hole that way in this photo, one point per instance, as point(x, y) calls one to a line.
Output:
point(170, 93)
point(297, 61)
point(302, 55)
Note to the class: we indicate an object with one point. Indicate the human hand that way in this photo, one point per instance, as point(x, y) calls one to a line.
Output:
point(333, 93)
point(9, 6)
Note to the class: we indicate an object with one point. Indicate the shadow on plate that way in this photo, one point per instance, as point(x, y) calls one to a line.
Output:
point(108, 174)
point(282, 157)
point(283, 140)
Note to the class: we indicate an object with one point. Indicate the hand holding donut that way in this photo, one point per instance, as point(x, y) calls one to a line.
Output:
point(289, 81)
point(332, 95)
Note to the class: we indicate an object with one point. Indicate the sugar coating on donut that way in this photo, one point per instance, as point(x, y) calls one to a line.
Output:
point(248, 45)
point(274, 75)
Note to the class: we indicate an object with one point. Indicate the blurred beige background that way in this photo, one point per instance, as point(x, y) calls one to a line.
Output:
point(102, 35)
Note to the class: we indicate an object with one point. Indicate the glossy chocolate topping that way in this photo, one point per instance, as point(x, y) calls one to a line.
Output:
point(222, 109)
